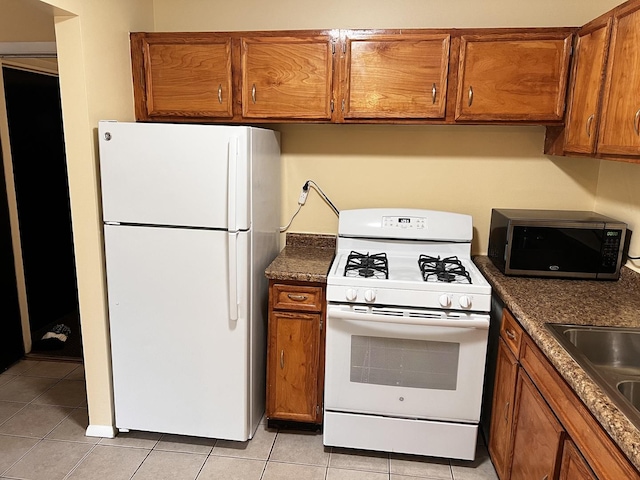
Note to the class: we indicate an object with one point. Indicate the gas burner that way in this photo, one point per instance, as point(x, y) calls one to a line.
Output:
point(365, 265)
point(448, 269)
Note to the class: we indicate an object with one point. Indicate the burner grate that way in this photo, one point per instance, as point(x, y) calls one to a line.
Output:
point(365, 265)
point(449, 269)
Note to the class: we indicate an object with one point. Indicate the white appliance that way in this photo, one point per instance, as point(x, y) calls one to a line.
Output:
point(191, 216)
point(406, 339)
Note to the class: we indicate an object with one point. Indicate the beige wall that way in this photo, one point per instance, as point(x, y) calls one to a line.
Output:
point(25, 21)
point(618, 195)
point(95, 82)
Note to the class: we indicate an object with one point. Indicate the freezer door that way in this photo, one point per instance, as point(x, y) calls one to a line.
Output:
point(180, 362)
point(167, 174)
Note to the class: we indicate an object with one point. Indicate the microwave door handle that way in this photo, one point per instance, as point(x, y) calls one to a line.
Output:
point(428, 322)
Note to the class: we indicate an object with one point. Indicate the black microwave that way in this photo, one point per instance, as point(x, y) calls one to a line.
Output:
point(556, 243)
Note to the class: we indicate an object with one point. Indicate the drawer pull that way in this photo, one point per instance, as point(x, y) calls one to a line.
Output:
point(297, 298)
point(510, 334)
point(635, 122)
point(433, 94)
point(470, 95)
point(282, 359)
point(253, 93)
point(220, 93)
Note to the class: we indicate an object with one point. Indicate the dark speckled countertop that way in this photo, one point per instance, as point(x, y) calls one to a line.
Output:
point(536, 301)
point(305, 258)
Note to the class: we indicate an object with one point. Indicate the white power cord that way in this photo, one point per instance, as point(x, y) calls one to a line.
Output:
point(303, 199)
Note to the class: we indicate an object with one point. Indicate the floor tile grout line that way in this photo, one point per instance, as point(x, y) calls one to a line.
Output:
point(75, 467)
point(23, 455)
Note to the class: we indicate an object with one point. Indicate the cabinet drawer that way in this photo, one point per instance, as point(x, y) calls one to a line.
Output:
point(511, 332)
point(299, 298)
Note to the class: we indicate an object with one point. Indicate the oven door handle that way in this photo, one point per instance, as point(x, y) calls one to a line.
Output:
point(479, 323)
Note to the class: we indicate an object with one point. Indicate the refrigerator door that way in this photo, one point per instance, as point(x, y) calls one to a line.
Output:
point(180, 362)
point(180, 175)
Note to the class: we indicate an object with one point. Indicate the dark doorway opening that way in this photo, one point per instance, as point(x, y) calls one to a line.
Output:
point(44, 216)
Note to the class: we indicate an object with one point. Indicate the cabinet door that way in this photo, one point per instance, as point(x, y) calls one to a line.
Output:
point(502, 410)
point(620, 127)
point(537, 435)
point(574, 466)
point(395, 76)
point(294, 346)
point(287, 77)
point(513, 77)
point(584, 97)
point(182, 76)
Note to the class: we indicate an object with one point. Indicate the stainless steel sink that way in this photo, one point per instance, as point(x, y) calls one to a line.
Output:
point(611, 357)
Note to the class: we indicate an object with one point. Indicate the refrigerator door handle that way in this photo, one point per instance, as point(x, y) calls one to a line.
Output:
point(232, 181)
point(233, 276)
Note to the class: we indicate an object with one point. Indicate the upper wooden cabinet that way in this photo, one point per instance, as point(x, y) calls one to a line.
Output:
point(583, 113)
point(394, 75)
point(513, 77)
point(366, 76)
point(182, 76)
point(620, 125)
point(287, 76)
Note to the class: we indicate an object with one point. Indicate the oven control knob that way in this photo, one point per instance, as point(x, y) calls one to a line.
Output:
point(445, 301)
point(465, 302)
point(369, 295)
point(351, 294)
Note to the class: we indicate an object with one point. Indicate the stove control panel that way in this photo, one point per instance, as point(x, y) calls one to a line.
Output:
point(417, 223)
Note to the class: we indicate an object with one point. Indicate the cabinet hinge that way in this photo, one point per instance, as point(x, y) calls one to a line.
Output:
point(344, 47)
point(333, 48)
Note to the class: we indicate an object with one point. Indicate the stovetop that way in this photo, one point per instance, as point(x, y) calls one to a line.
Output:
point(386, 257)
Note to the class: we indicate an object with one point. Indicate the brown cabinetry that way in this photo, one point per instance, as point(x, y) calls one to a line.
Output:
point(537, 430)
point(184, 76)
point(513, 77)
point(287, 76)
point(551, 432)
point(620, 124)
point(574, 466)
point(502, 417)
point(583, 113)
point(295, 352)
point(394, 75)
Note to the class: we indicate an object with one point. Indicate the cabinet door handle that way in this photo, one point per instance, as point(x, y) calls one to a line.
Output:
point(220, 93)
point(297, 298)
point(510, 334)
point(589, 122)
point(470, 95)
point(506, 411)
point(546, 477)
point(433, 93)
point(282, 359)
point(635, 122)
point(253, 93)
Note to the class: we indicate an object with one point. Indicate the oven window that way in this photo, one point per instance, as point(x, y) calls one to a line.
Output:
point(404, 363)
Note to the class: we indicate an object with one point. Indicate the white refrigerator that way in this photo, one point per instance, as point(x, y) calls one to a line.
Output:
point(191, 216)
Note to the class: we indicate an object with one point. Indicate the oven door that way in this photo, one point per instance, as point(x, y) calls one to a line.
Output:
point(405, 363)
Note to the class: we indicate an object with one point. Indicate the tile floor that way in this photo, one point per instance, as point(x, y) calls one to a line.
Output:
point(43, 417)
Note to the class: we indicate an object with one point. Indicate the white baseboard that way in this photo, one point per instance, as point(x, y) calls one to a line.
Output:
point(106, 431)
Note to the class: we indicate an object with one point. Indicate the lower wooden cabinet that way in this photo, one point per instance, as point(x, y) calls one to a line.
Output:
point(295, 352)
point(503, 402)
point(574, 466)
point(537, 437)
point(540, 429)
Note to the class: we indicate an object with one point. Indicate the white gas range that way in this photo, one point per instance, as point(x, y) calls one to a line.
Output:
point(407, 326)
